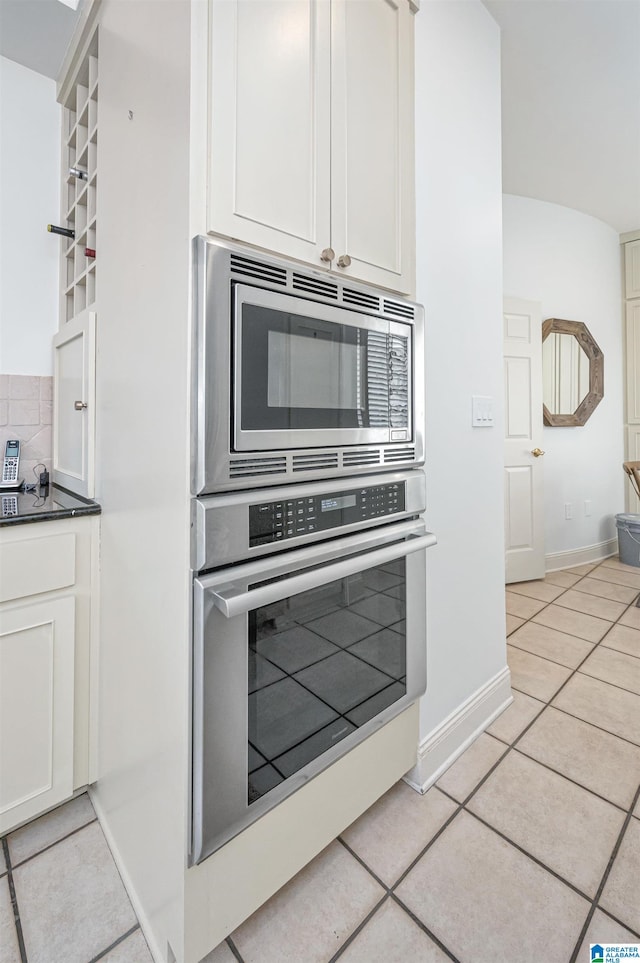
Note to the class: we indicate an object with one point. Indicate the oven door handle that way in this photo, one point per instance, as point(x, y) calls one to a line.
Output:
point(232, 603)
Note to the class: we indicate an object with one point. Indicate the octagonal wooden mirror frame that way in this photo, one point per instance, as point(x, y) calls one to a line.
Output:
point(594, 396)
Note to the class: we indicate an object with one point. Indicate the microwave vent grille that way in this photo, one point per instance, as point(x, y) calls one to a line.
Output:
point(353, 458)
point(250, 267)
point(399, 454)
point(399, 309)
point(302, 282)
point(321, 462)
point(249, 467)
point(361, 298)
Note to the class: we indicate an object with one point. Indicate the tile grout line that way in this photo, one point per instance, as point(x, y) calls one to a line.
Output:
point(579, 785)
point(49, 846)
point(359, 928)
point(390, 889)
point(613, 685)
point(234, 949)
point(530, 856)
point(111, 946)
point(622, 651)
point(605, 877)
point(360, 860)
point(424, 928)
point(573, 716)
point(615, 919)
point(14, 902)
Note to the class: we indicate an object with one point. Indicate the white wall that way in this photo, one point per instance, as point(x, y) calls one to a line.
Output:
point(29, 200)
point(459, 280)
point(570, 262)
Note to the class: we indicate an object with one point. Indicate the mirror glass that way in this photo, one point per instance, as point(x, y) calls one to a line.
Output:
point(565, 369)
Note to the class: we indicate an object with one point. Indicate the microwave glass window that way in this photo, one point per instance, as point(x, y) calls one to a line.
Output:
point(312, 372)
point(321, 664)
point(302, 373)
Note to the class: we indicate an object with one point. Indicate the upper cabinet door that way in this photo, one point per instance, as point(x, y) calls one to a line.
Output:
point(373, 208)
point(74, 405)
point(269, 117)
point(311, 133)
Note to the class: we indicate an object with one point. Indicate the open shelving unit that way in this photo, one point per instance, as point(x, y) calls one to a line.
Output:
point(78, 199)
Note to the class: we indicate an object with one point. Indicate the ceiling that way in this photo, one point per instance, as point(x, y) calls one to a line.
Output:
point(571, 104)
point(36, 33)
point(570, 94)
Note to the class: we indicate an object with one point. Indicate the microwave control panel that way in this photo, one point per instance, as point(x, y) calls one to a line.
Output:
point(276, 521)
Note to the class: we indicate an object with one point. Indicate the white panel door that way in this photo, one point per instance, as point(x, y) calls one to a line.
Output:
point(632, 348)
point(632, 269)
point(372, 167)
point(36, 708)
point(269, 124)
point(523, 490)
point(74, 405)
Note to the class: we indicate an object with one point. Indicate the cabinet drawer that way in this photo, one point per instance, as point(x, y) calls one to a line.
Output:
point(37, 565)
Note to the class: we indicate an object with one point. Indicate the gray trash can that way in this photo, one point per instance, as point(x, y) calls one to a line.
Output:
point(629, 539)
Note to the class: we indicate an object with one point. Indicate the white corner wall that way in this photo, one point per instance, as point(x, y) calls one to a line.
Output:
point(570, 263)
point(29, 200)
point(459, 280)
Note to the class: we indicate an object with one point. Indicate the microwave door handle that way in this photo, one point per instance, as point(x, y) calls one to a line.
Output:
point(232, 603)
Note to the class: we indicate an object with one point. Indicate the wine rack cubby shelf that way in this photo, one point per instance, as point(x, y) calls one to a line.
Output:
point(79, 151)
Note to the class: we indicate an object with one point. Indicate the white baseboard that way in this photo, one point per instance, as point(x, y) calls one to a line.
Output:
point(448, 740)
point(581, 556)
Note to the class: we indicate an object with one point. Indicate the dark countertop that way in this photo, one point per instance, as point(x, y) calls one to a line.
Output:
point(19, 508)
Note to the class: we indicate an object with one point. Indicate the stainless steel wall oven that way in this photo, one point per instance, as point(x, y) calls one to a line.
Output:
point(298, 374)
point(301, 654)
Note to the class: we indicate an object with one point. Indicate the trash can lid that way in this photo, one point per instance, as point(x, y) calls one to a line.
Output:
point(628, 519)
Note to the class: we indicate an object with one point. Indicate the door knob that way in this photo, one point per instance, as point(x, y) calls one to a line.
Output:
point(537, 452)
point(79, 405)
point(328, 254)
point(344, 260)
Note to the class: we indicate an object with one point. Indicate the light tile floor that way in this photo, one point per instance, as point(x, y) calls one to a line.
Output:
point(527, 848)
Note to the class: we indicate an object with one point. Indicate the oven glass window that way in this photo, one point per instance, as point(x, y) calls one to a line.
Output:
point(321, 664)
point(303, 373)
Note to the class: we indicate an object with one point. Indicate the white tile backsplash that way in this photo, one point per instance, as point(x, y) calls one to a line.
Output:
point(26, 414)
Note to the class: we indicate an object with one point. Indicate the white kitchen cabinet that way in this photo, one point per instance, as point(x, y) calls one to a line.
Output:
point(74, 405)
point(311, 133)
point(36, 708)
point(632, 269)
point(48, 573)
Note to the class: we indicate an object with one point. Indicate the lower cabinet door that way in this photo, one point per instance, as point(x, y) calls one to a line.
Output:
point(36, 708)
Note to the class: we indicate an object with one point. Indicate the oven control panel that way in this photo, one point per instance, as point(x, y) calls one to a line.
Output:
point(279, 520)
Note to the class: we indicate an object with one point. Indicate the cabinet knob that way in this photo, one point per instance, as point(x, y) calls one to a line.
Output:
point(344, 260)
point(79, 405)
point(328, 254)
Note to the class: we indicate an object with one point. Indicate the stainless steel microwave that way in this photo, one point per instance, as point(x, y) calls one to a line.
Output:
point(299, 375)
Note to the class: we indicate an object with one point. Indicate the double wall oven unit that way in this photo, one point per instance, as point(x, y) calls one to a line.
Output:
point(308, 549)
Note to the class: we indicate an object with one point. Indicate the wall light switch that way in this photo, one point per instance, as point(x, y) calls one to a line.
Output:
point(482, 412)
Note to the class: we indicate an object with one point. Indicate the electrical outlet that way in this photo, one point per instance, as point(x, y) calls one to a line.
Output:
point(587, 507)
point(568, 511)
